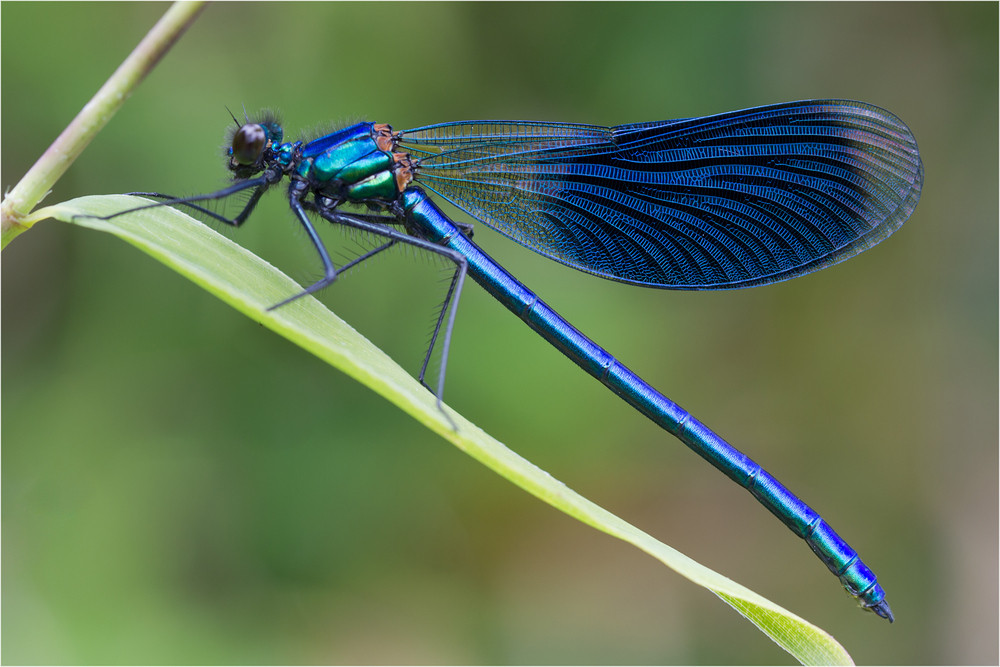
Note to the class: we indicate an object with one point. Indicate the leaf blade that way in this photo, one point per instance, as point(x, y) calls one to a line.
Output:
point(250, 285)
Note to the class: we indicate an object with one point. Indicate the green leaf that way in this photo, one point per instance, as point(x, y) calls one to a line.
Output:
point(250, 285)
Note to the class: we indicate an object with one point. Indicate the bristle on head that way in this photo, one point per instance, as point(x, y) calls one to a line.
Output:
point(265, 116)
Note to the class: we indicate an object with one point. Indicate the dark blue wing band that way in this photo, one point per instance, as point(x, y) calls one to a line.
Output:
point(734, 200)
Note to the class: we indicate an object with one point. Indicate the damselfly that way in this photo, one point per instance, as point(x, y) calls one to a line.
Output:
point(734, 200)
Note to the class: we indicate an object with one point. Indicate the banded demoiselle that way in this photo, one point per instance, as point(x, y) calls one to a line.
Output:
point(733, 200)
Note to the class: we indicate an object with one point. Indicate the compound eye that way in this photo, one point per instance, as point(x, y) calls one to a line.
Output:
point(248, 144)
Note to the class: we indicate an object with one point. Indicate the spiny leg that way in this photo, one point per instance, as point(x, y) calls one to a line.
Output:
point(354, 262)
point(437, 330)
point(295, 193)
point(451, 299)
point(242, 217)
point(260, 183)
point(385, 219)
point(454, 290)
point(327, 205)
point(368, 255)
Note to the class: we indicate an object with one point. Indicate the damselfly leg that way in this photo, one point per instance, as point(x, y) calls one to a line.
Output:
point(170, 200)
point(326, 210)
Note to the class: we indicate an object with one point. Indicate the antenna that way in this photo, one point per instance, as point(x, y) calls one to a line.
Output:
point(234, 118)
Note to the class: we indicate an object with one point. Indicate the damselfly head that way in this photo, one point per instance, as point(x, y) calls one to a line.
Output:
point(248, 144)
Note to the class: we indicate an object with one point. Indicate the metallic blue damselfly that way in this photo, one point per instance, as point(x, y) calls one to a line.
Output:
point(733, 200)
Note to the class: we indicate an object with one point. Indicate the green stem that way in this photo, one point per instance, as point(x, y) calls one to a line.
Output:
point(38, 182)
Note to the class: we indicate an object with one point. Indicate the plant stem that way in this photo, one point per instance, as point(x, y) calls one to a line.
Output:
point(38, 182)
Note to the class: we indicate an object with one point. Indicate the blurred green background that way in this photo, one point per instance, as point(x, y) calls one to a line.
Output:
point(180, 485)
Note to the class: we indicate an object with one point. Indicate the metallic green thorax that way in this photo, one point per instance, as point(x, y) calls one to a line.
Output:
point(350, 162)
point(357, 163)
point(380, 186)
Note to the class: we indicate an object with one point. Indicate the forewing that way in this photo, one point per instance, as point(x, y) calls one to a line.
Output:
point(732, 200)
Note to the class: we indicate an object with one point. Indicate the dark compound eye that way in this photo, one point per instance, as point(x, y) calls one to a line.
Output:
point(248, 143)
